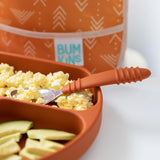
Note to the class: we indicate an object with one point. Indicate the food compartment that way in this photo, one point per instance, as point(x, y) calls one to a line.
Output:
point(42, 118)
point(85, 124)
point(36, 74)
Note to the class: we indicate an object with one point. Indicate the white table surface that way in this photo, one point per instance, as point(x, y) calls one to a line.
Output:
point(130, 127)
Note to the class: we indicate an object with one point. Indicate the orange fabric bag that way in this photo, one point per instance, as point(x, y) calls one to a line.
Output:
point(89, 33)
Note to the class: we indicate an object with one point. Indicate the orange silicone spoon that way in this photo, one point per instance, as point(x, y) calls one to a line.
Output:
point(114, 76)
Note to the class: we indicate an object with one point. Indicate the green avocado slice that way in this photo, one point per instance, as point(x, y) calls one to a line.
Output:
point(50, 134)
point(12, 157)
point(9, 147)
point(26, 155)
point(10, 127)
point(33, 149)
point(51, 144)
point(15, 136)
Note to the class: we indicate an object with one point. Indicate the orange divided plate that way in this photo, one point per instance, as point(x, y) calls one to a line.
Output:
point(85, 123)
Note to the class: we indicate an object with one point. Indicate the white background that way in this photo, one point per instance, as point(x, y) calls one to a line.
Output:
point(144, 31)
point(130, 127)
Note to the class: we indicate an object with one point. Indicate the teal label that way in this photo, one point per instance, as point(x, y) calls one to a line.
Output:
point(69, 51)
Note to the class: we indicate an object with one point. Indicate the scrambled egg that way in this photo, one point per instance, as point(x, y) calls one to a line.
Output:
point(27, 85)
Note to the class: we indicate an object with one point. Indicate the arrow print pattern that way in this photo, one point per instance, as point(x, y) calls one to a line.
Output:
point(59, 18)
point(21, 16)
point(97, 25)
point(41, 1)
point(48, 44)
point(110, 59)
point(116, 11)
point(90, 42)
point(5, 39)
point(81, 4)
point(115, 36)
point(29, 49)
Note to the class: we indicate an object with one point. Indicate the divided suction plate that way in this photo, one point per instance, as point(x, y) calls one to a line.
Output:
point(85, 123)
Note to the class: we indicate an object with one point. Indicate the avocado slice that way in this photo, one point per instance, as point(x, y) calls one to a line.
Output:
point(15, 136)
point(34, 150)
point(35, 147)
point(50, 134)
point(9, 147)
point(51, 144)
point(10, 127)
point(12, 157)
point(26, 155)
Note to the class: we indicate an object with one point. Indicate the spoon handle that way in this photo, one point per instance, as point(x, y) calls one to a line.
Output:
point(114, 76)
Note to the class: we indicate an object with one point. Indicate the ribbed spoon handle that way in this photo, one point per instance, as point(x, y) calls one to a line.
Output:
point(114, 76)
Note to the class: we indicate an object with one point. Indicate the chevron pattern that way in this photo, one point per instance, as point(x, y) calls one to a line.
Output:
point(41, 1)
point(110, 59)
point(117, 11)
point(21, 16)
point(59, 18)
point(5, 40)
point(90, 43)
point(81, 4)
point(29, 49)
point(115, 36)
point(48, 44)
point(97, 25)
